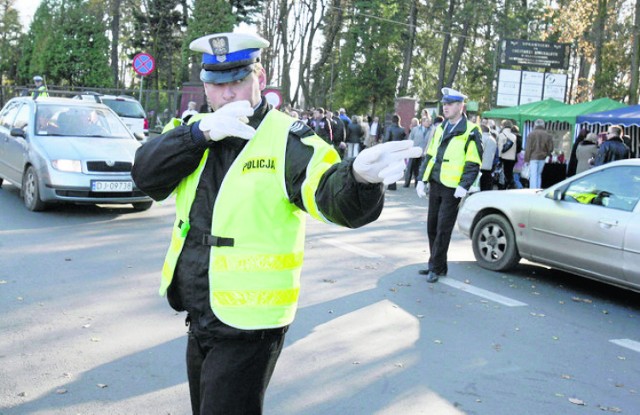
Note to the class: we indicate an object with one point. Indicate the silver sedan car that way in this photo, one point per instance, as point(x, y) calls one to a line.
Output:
point(588, 224)
point(62, 150)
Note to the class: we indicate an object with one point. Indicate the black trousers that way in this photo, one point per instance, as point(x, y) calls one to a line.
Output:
point(486, 180)
point(412, 170)
point(441, 218)
point(508, 172)
point(229, 375)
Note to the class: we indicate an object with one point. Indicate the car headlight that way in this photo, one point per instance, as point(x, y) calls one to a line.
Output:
point(73, 166)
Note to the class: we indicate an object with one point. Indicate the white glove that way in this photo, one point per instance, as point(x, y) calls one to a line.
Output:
point(420, 190)
point(460, 192)
point(384, 162)
point(229, 121)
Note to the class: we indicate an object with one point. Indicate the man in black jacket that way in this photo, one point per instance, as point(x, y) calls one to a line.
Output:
point(223, 160)
point(614, 148)
point(394, 133)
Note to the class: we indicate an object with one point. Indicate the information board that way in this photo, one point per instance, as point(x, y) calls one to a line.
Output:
point(533, 53)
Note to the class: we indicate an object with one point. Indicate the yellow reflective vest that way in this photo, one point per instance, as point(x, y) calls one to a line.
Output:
point(457, 153)
point(257, 235)
point(41, 91)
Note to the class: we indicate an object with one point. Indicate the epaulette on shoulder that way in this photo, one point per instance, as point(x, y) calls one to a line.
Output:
point(300, 129)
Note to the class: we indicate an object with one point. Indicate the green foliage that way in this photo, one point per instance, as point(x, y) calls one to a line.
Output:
point(67, 44)
point(10, 30)
point(369, 63)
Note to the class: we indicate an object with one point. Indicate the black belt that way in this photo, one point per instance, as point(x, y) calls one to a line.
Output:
point(212, 240)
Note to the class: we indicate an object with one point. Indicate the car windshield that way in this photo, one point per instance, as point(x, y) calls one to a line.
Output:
point(59, 120)
point(129, 109)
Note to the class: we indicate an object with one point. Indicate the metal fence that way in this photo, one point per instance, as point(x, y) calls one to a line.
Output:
point(160, 105)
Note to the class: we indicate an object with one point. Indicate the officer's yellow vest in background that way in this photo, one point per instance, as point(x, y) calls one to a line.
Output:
point(454, 158)
point(42, 92)
point(254, 284)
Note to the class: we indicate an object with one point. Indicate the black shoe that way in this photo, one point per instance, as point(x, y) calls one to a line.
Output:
point(424, 272)
point(432, 277)
point(406, 185)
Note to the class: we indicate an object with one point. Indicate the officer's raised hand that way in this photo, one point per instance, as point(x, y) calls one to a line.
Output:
point(384, 162)
point(228, 121)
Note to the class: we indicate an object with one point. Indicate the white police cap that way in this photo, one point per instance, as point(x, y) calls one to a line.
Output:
point(37, 78)
point(451, 95)
point(228, 57)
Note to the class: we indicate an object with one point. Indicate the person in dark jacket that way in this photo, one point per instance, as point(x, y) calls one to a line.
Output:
point(355, 137)
point(394, 133)
point(242, 175)
point(614, 148)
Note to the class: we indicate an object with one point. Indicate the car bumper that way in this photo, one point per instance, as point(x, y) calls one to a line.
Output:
point(76, 188)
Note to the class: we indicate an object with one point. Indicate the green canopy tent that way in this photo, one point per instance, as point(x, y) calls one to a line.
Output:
point(517, 113)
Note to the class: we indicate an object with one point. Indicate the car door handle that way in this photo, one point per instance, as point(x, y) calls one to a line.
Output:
point(606, 223)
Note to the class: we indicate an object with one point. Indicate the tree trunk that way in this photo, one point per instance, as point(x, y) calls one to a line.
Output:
point(455, 61)
point(408, 51)
point(633, 88)
point(115, 35)
point(283, 28)
point(599, 43)
point(445, 48)
point(330, 33)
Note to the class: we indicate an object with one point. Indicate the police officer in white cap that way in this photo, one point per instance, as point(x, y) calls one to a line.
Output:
point(451, 165)
point(41, 89)
point(243, 177)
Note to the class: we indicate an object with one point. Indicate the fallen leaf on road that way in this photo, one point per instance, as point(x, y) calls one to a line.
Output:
point(566, 376)
point(622, 358)
point(610, 409)
point(22, 394)
point(399, 365)
point(95, 339)
point(355, 363)
point(61, 391)
point(67, 259)
point(581, 300)
point(437, 341)
point(420, 315)
point(576, 401)
point(101, 385)
point(86, 326)
point(3, 281)
point(329, 281)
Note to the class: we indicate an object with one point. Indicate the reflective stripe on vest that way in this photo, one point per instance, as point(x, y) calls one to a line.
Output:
point(254, 278)
point(454, 157)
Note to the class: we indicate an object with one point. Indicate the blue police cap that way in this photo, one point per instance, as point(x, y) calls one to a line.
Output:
point(228, 57)
point(451, 95)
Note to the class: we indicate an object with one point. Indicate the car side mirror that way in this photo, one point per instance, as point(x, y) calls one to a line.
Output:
point(138, 136)
point(18, 132)
point(557, 194)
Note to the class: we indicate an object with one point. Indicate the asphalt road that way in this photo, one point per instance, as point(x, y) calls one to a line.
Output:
point(83, 330)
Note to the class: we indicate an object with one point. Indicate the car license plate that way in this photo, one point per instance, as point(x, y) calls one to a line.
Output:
point(102, 186)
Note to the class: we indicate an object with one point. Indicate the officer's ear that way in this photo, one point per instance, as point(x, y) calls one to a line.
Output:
point(262, 78)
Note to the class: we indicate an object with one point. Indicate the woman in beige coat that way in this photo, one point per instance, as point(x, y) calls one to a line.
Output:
point(586, 151)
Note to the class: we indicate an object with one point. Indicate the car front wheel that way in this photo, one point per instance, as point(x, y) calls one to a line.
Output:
point(494, 243)
point(31, 191)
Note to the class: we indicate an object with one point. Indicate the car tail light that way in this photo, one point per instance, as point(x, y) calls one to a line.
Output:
point(146, 123)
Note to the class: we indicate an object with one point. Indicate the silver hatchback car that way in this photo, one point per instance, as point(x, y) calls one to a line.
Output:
point(63, 150)
point(588, 225)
